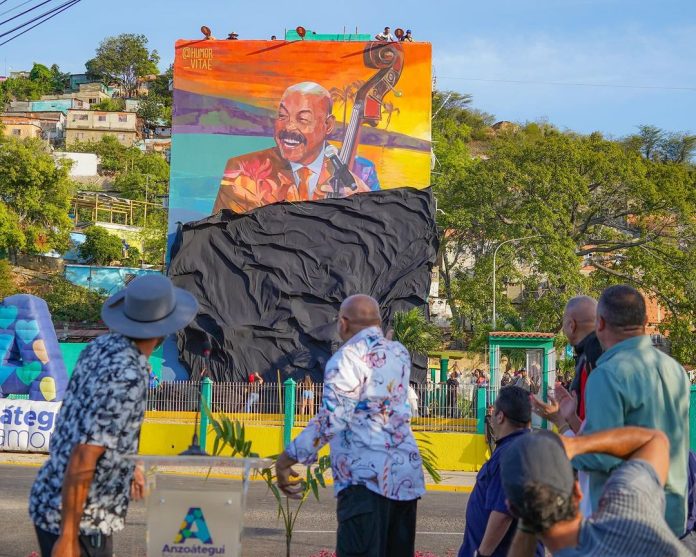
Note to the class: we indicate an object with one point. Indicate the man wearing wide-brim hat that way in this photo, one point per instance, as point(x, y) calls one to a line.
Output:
point(81, 494)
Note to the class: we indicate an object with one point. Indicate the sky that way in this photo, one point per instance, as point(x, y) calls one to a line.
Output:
point(584, 65)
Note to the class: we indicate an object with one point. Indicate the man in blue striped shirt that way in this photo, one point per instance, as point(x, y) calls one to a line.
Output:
point(544, 495)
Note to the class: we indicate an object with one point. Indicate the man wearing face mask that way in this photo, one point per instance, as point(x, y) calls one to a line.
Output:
point(366, 419)
point(81, 494)
point(299, 167)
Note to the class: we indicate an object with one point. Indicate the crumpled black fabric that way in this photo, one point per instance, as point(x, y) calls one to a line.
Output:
point(270, 282)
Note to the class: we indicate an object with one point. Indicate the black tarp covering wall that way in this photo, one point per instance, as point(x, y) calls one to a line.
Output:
point(270, 282)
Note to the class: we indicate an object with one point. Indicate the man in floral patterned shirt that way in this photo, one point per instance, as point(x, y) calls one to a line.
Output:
point(80, 496)
point(365, 417)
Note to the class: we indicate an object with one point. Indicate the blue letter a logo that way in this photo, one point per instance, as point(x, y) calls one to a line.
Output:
point(193, 527)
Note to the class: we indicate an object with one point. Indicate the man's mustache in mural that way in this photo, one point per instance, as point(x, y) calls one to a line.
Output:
point(292, 139)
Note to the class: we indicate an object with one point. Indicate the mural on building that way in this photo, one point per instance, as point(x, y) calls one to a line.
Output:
point(30, 356)
point(257, 122)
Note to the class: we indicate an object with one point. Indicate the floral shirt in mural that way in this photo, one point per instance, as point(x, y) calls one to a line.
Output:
point(104, 406)
point(365, 417)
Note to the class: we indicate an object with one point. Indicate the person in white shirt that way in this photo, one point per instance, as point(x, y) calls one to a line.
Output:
point(385, 35)
point(365, 417)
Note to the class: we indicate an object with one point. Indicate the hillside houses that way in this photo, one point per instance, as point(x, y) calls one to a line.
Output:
point(71, 116)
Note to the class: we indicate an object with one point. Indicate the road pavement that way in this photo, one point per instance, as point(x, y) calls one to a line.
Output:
point(439, 529)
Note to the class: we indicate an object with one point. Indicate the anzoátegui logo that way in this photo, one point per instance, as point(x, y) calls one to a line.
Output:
point(193, 528)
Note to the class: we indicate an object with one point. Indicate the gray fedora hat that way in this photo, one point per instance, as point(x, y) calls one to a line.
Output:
point(149, 307)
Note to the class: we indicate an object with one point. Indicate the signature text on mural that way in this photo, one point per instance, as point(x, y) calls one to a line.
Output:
point(198, 58)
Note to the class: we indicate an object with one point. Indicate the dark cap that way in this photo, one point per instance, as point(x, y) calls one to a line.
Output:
point(536, 458)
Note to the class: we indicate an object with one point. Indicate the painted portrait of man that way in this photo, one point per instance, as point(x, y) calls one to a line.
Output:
point(299, 167)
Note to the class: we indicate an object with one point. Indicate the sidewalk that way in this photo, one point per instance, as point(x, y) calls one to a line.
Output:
point(460, 482)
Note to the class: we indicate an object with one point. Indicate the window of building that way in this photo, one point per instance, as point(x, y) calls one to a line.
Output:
point(123, 118)
point(80, 117)
point(102, 117)
point(122, 137)
point(93, 101)
point(16, 132)
point(80, 135)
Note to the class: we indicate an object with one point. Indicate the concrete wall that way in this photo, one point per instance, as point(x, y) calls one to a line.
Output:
point(84, 164)
point(124, 137)
point(169, 433)
point(21, 130)
point(57, 105)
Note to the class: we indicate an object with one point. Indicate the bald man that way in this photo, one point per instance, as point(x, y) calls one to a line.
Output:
point(297, 168)
point(579, 328)
point(365, 418)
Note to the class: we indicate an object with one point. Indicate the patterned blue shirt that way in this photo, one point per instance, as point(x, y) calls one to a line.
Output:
point(366, 419)
point(104, 406)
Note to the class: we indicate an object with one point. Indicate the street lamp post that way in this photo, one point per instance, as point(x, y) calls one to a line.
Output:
point(495, 253)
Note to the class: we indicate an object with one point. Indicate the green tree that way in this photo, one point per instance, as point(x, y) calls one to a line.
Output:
point(43, 77)
point(59, 79)
point(100, 247)
point(154, 237)
point(413, 330)
point(35, 192)
point(161, 87)
point(69, 302)
point(20, 89)
point(133, 257)
point(124, 60)
point(599, 214)
point(153, 111)
point(658, 145)
point(110, 105)
point(7, 285)
point(114, 157)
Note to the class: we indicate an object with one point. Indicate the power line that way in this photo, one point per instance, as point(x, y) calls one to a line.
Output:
point(16, 7)
point(571, 84)
point(38, 17)
point(25, 12)
point(56, 11)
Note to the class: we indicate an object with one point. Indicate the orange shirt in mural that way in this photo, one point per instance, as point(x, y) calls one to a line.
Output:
point(264, 177)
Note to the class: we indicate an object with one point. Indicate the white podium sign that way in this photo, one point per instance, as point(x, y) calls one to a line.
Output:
point(194, 523)
point(189, 515)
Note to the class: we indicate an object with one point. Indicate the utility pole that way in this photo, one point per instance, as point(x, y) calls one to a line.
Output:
point(495, 253)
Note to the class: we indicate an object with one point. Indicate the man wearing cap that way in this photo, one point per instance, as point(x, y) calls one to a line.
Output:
point(489, 526)
point(544, 495)
point(81, 494)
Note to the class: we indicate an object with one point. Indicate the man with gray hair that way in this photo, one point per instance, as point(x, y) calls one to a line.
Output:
point(300, 167)
point(635, 384)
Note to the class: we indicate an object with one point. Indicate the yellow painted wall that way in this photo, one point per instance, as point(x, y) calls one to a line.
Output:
point(166, 433)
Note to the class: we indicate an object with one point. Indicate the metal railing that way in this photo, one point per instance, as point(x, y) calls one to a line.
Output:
point(434, 407)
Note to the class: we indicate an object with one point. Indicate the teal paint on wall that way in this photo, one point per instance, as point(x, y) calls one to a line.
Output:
point(71, 352)
point(198, 163)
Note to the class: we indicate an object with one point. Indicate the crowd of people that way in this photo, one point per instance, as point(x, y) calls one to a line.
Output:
point(385, 36)
point(618, 479)
point(614, 481)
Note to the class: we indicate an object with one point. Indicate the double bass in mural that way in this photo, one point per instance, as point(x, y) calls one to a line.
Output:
point(263, 122)
point(304, 153)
